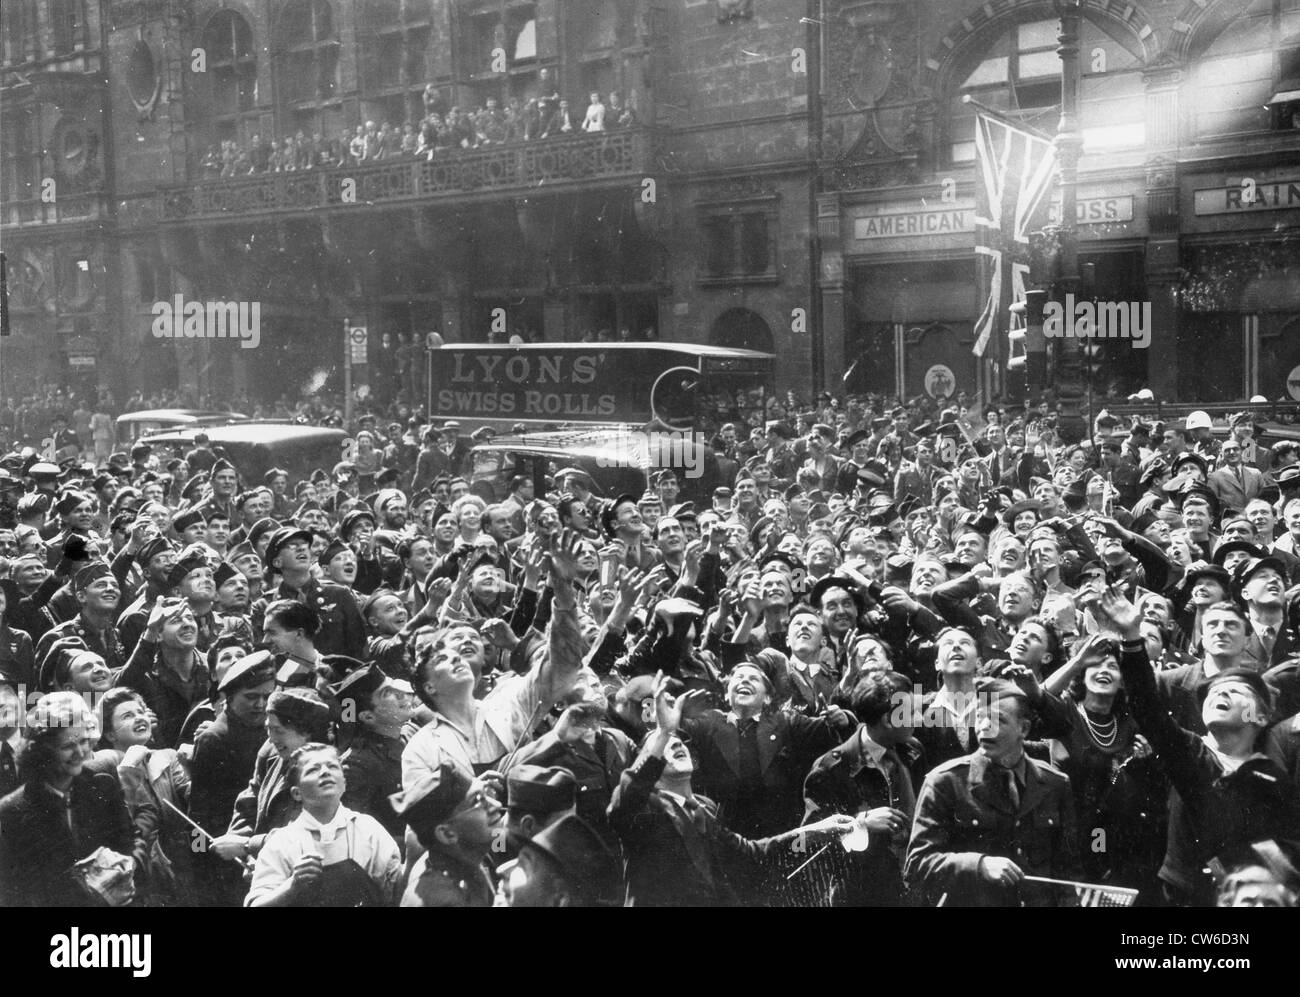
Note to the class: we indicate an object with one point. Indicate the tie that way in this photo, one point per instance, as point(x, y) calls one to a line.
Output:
point(1013, 789)
point(1270, 634)
point(8, 771)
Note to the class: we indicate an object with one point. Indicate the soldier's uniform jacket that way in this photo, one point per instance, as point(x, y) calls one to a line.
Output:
point(437, 880)
point(17, 661)
point(108, 646)
point(372, 768)
point(342, 631)
point(963, 813)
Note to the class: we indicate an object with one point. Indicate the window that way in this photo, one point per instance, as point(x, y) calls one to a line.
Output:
point(19, 156)
point(1019, 73)
point(1246, 74)
point(739, 243)
point(309, 49)
point(68, 24)
point(232, 63)
point(20, 30)
point(397, 48)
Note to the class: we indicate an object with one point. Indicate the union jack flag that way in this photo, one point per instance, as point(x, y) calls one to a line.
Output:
point(1014, 175)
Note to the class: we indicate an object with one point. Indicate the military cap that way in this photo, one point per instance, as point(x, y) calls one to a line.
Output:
point(540, 790)
point(89, 574)
point(350, 521)
point(151, 549)
point(225, 571)
point(433, 799)
point(222, 465)
point(280, 538)
point(182, 521)
point(191, 559)
point(250, 670)
point(261, 528)
point(359, 688)
point(333, 550)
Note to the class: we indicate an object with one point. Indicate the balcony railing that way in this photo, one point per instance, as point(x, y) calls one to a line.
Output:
point(536, 166)
point(64, 209)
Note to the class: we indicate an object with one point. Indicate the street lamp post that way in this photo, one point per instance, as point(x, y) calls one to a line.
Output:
point(1069, 145)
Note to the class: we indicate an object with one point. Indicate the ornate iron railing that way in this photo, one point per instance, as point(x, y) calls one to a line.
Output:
point(543, 164)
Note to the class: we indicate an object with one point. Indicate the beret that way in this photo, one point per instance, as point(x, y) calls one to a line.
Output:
point(301, 707)
point(151, 549)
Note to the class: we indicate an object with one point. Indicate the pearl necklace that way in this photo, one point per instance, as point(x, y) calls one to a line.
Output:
point(1097, 730)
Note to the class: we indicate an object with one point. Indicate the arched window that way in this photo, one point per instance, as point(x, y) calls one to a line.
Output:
point(1018, 72)
point(232, 64)
point(20, 31)
point(68, 25)
point(1247, 78)
point(742, 329)
point(309, 53)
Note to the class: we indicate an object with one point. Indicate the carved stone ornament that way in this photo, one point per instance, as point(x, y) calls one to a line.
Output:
point(730, 11)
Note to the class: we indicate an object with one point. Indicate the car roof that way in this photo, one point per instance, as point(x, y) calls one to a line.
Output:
point(249, 432)
point(180, 415)
point(577, 444)
point(686, 349)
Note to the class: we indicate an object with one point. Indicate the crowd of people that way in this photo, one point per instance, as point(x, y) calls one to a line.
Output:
point(902, 655)
point(442, 130)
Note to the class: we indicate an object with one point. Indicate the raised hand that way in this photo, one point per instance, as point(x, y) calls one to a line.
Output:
point(1121, 613)
point(564, 559)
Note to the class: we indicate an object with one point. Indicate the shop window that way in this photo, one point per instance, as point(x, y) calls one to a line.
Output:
point(739, 244)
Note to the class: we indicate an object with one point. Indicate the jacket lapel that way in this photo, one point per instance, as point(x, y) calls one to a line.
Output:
point(727, 740)
point(978, 777)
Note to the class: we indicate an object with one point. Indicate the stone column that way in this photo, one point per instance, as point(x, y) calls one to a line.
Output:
point(831, 288)
point(1162, 250)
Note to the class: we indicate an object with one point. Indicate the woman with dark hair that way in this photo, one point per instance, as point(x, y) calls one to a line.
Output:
point(294, 717)
point(62, 813)
point(151, 779)
point(1119, 792)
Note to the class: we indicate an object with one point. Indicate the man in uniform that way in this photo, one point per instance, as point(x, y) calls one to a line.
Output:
point(224, 757)
point(374, 708)
point(97, 594)
point(566, 865)
point(457, 822)
point(987, 820)
point(342, 631)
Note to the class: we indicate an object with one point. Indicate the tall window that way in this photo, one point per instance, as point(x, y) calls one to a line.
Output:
point(232, 65)
point(1246, 79)
point(18, 18)
point(19, 155)
point(1019, 73)
point(68, 25)
point(397, 50)
point(739, 243)
point(309, 48)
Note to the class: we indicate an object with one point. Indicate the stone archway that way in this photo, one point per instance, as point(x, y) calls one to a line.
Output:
point(742, 329)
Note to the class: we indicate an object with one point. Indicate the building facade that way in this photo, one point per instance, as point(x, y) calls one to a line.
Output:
point(795, 177)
